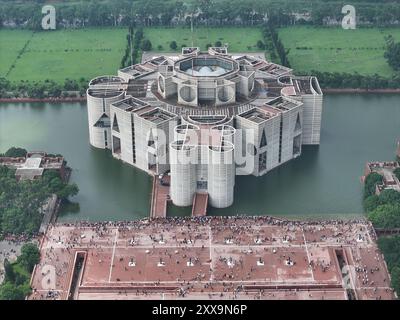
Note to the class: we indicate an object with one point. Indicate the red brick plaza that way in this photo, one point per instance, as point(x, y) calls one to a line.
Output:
point(211, 258)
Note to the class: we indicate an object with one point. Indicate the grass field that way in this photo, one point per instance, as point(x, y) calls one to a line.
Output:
point(239, 39)
point(62, 54)
point(11, 42)
point(87, 53)
point(337, 50)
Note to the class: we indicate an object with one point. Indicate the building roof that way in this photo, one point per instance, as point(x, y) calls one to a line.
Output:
point(31, 169)
point(283, 104)
point(157, 115)
point(259, 115)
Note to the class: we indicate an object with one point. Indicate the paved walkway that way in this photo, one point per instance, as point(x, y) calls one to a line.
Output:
point(207, 258)
point(49, 211)
point(200, 203)
point(160, 197)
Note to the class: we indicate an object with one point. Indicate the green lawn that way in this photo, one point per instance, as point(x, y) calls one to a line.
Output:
point(11, 42)
point(91, 52)
point(64, 54)
point(87, 53)
point(337, 50)
point(238, 39)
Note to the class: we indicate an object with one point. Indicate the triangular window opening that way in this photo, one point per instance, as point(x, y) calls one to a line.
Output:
point(103, 122)
point(151, 140)
point(298, 123)
point(115, 124)
point(263, 142)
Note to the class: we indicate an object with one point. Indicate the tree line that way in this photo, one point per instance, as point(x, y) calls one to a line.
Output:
point(43, 89)
point(135, 44)
point(383, 211)
point(337, 80)
point(95, 13)
point(274, 45)
point(390, 247)
point(392, 53)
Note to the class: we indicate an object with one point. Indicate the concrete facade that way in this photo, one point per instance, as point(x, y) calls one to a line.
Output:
point(203, 118)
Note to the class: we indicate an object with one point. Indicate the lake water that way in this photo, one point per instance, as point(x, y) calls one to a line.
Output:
point(323, 182)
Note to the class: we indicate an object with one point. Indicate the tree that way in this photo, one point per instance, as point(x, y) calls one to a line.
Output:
point(8, 291)
point(389, 196)
point(392, 53)
point(146, 45)
point(395, 275)
point(55, 90)
point(21, 202)
point(371, 203)
point(67, 191)
point(397, 173)
point(390, 247)
point(370, 183)
point(9, 274)
point(218, 43)
point(260, 45)
point(173, 45)
point(30, 255)
point(16, 152)
point(386, 216)
point(71, 85)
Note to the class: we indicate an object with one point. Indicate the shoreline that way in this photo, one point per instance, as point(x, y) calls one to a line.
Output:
point(83, 99)
point(353, 90)
point(53, 100)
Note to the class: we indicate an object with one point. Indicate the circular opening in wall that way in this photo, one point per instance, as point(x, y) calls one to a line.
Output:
point(187, 94)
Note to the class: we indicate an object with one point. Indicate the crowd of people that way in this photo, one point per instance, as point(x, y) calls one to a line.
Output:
point(233, 230)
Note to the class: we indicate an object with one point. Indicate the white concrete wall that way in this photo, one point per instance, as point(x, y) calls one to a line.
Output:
point(221, 178)
point(183, 175)
point(142, 129)
point(288, 132)
point(312, 112)
point(96, 108)
point(125, 133)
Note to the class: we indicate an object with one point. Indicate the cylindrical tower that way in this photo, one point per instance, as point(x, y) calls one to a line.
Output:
point(221, 175)
point(101, 93)
point(183, 173)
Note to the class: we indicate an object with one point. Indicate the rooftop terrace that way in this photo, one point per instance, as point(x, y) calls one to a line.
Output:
point(106, 87)
point(130, 104)
point(157, 115)
point(283, 104)
point(306, 85)
point(257, 115)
